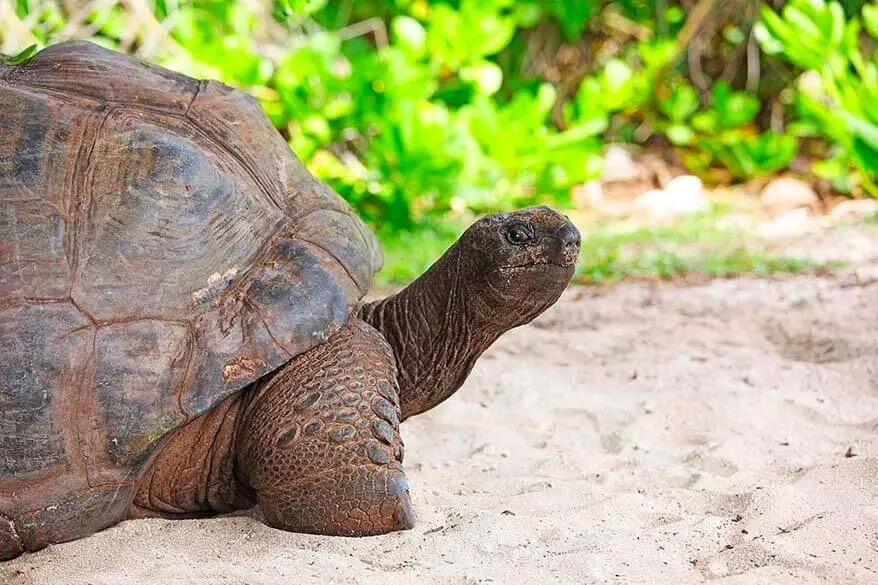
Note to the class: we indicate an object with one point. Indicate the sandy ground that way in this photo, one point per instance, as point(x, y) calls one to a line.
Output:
point(724, 433)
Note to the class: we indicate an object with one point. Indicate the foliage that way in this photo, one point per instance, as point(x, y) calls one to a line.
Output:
point(837, 96)
point(723, 133)
point(21, 57)
point(420, 111)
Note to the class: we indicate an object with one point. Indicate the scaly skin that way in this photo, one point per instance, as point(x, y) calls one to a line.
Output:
point(480, 288)
point(321, 447)
point(317, 443)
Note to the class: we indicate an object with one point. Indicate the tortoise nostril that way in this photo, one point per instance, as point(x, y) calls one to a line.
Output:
point(570, 238)
point(568, 242)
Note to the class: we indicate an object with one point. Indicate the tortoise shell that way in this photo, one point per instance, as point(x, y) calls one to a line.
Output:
point(160, 248)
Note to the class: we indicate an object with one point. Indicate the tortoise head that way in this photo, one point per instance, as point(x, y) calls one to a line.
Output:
point(502, 272)
point(515, 265)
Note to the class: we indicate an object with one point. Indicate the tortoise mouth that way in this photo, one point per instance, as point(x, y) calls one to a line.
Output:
point(547, 265)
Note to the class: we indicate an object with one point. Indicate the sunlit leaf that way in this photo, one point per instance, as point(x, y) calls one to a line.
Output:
point(681, 104)
point(680, 135)
point(20, 57)
point(410, 35)
point(870, 19)
point(487, 76)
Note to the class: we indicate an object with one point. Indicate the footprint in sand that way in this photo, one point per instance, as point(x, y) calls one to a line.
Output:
point(806, 340)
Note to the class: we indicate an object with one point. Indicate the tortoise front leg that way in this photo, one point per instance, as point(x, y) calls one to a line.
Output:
point(319, 445)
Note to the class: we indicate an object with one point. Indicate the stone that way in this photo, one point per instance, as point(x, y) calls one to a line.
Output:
point(854, 210)
point(683, 195)
point(619, 166)
point(588, 195)
point(787, 194)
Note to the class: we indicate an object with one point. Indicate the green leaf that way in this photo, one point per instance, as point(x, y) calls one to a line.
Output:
point(410, 35)
point(656, 54)
point(300, 8)
point(870, 19)
point(495, 33)
point(706, 122)
point(867, 132)
point(749, 156)
point(527, 15)
point(546, 96)
point(788, 38)
point(680, 135)
point(617, 74)
point(769, 43)
point(574, 16)
point(19, 58)
point(808, 31)
point(682, 103)
point(734, 108)
point(617, 85)
point(275, 112)
point(836, 170)
point(339, 106)
point(589, 97)
point(836, 34)
point(578, 133)
point(867, 155)
point(317, 127)
point(487, 76)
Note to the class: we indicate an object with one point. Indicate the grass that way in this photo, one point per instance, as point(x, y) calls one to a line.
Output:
point(699, 245)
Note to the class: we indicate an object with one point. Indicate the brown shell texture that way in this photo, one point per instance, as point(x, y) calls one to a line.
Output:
point(160, 248)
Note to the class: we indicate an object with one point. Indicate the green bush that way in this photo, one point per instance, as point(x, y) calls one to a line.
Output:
point(420, 111)
point(837, 96)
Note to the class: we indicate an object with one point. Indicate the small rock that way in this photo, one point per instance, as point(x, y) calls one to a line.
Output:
point(619, 166)
point(854, 210)
point(689, 186)
point(683, 195)
point(787, 194)
point(588, 194)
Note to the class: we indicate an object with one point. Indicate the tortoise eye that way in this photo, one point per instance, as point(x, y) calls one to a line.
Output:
point(519, 234)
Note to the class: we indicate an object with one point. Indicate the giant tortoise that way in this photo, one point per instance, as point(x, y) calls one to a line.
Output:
point(183, 316)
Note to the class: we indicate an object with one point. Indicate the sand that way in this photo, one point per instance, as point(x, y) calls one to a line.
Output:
point(724, 432)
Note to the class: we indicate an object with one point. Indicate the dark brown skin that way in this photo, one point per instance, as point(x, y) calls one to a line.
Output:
point(317, 445)
point(483, 286)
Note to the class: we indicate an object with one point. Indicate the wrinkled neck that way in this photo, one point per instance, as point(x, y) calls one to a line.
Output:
point(436, 331)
